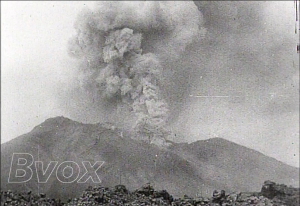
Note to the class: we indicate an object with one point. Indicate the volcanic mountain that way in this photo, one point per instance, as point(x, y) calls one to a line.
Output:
point(194, 169)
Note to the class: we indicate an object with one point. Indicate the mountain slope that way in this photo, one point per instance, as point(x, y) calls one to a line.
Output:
point(189, 169)
point(235, 167)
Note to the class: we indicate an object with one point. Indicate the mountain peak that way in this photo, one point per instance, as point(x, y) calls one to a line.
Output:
point(58, 119)
point(54, 122)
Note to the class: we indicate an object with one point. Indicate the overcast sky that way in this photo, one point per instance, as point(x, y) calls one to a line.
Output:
point(252, 72)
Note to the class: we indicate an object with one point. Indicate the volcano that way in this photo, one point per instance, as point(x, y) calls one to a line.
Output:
point(181, 168)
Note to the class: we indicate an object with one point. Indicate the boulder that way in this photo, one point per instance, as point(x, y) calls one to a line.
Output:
point(146, 190)
point(218, 196)
point(163, 194)
point(268, 189)
point(121, 188)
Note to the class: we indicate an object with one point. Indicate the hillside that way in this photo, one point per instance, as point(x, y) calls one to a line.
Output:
point(199, 167)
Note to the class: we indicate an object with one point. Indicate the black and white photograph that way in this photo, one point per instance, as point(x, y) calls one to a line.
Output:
point(150, 103)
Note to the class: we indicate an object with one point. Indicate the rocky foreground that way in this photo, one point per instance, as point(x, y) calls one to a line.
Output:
point(271, 194)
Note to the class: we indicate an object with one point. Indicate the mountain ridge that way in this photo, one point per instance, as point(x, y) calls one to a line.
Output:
point(189, 168)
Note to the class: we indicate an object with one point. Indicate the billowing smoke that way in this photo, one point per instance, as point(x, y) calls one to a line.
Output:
point(123, 47)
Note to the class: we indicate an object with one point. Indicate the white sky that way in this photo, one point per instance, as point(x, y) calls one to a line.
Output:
point(33, 44)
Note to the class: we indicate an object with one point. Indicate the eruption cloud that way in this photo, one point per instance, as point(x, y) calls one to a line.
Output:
point(121, 47)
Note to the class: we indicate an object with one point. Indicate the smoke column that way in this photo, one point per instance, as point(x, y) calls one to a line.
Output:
point(121, 47)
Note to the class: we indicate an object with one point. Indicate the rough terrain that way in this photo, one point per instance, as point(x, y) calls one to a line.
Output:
point(271, 194)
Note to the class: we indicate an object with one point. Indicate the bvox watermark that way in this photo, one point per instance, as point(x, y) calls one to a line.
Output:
point(66, 172)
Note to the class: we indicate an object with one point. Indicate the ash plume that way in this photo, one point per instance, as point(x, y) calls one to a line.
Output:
point(122, 47)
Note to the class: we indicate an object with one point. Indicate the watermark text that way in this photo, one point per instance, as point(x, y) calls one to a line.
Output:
point(21, 170)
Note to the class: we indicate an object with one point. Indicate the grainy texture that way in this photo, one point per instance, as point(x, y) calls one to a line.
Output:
point(146, 195)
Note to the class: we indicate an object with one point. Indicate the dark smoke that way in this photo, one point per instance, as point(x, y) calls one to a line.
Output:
point(236, 57)
point(125, 50)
